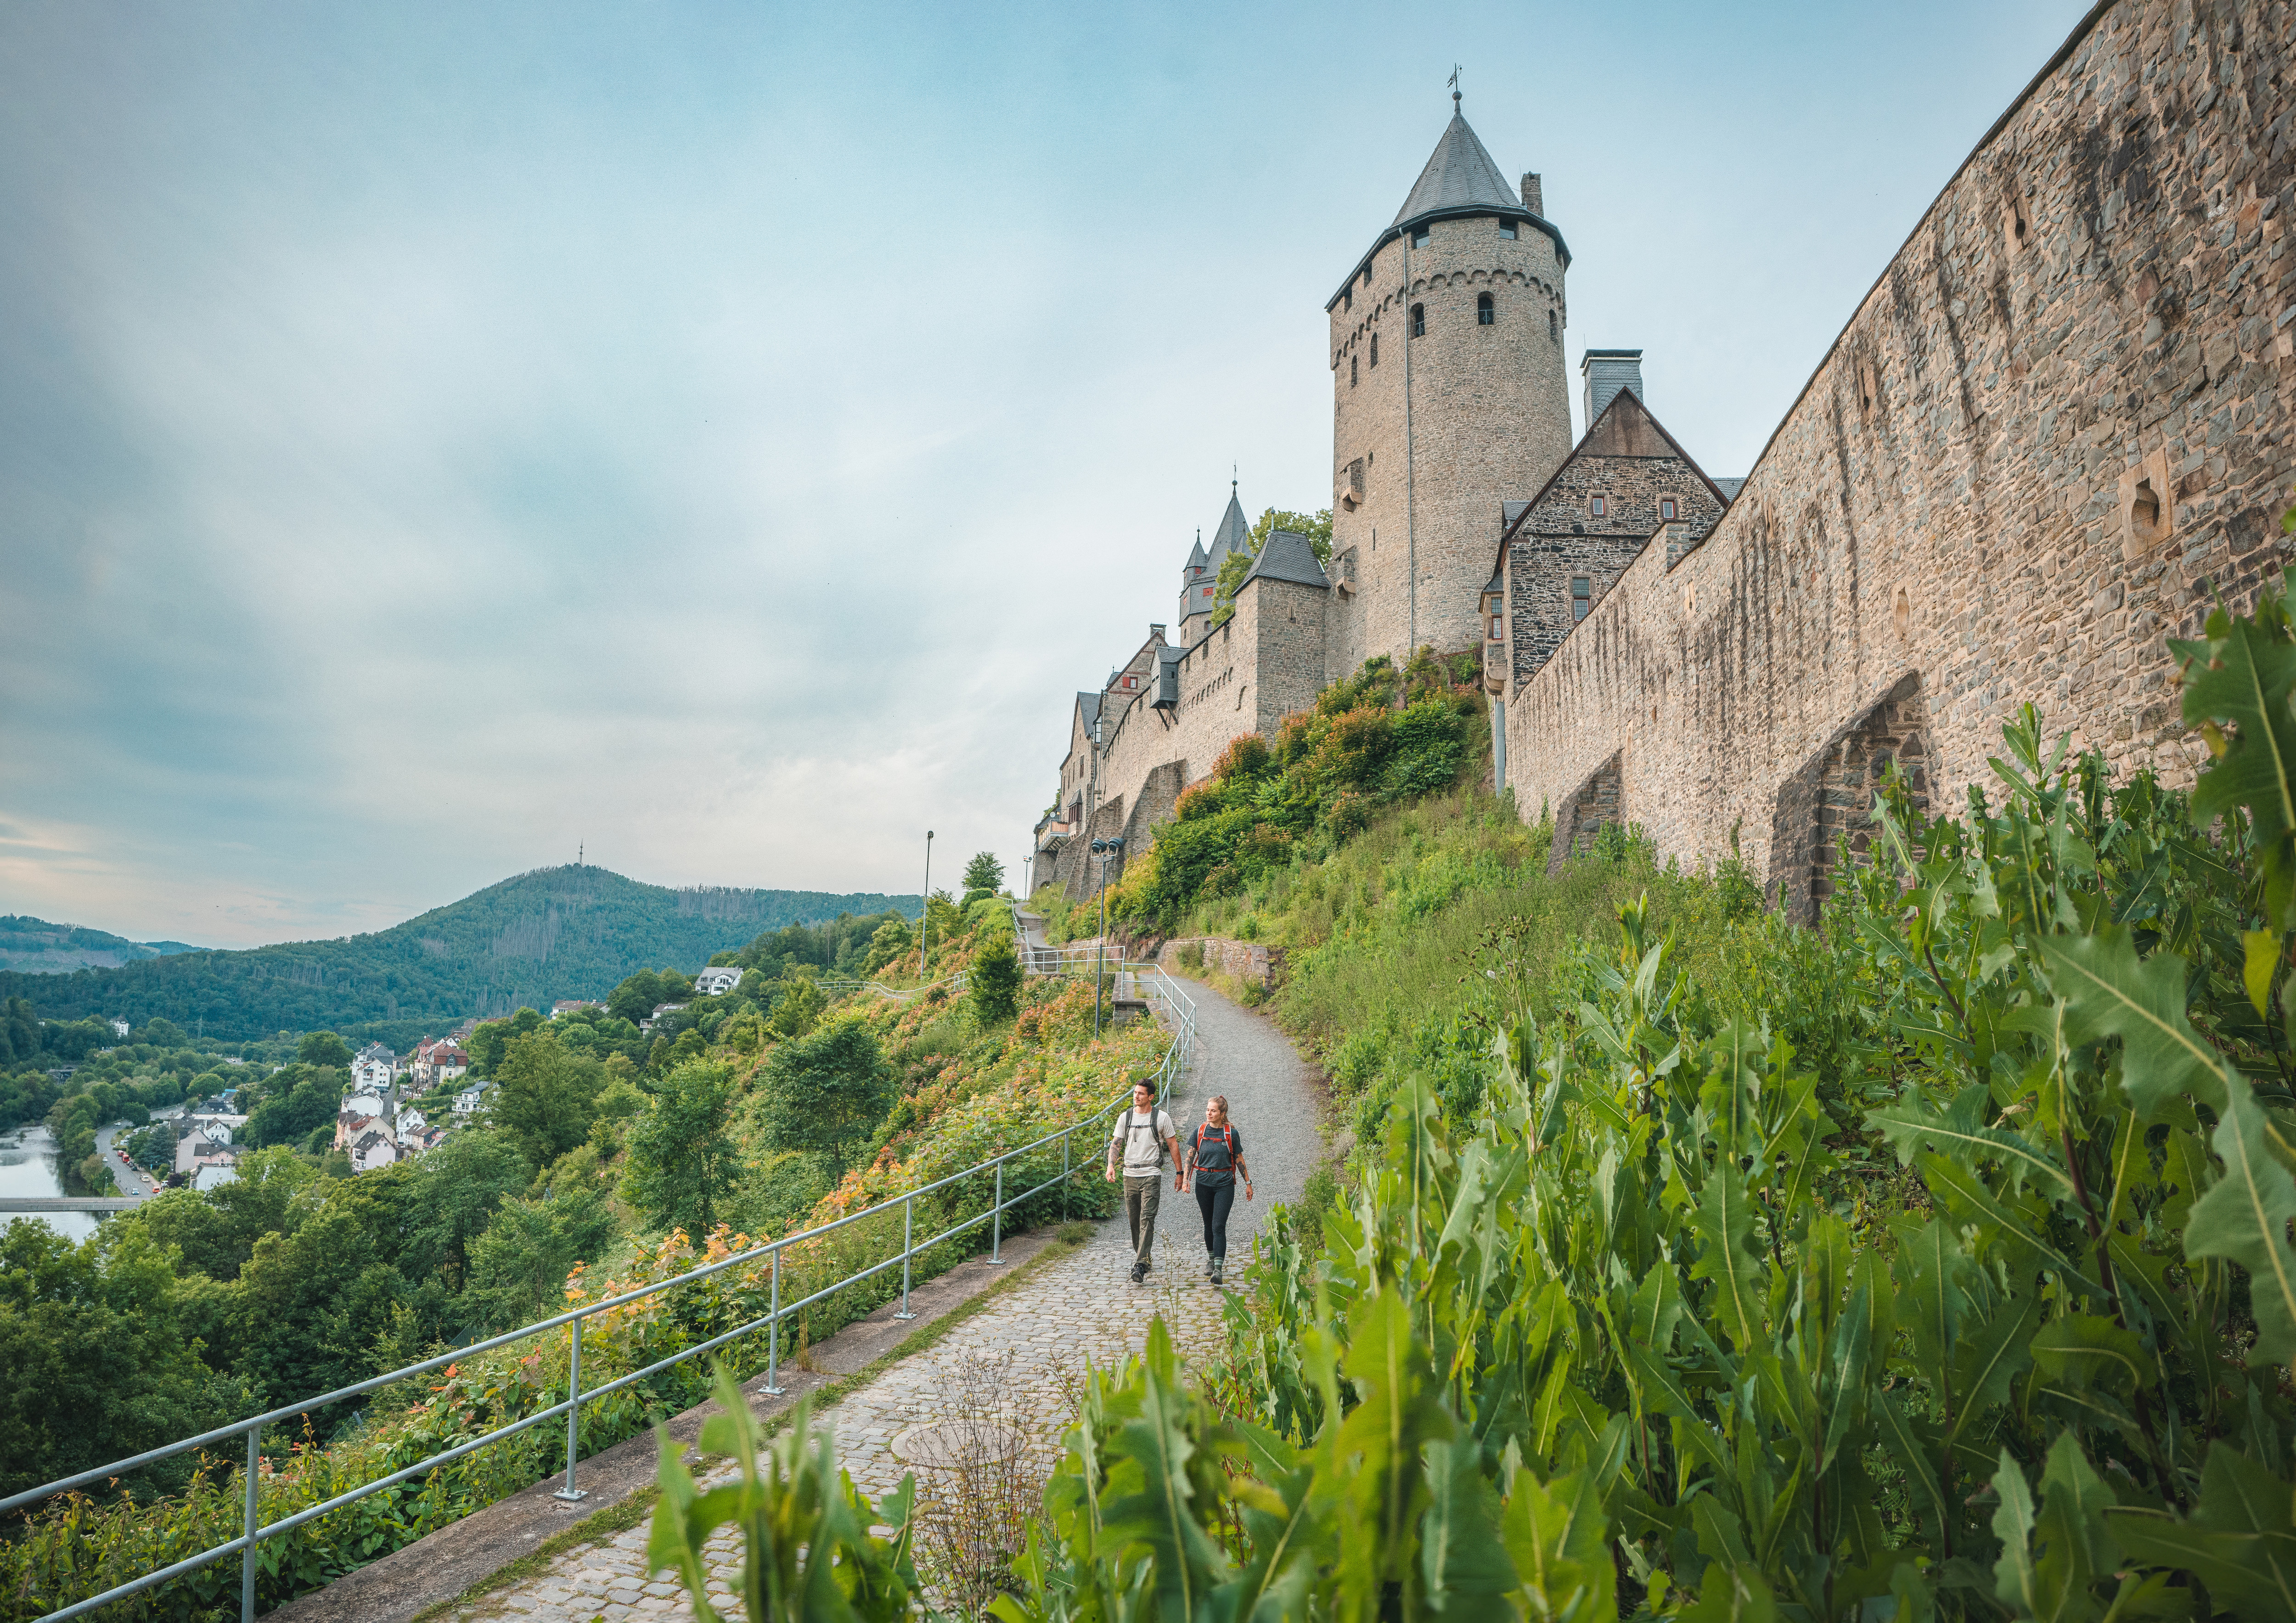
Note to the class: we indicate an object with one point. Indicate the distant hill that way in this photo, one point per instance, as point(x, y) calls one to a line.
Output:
point(553, 933)
point(34, 947)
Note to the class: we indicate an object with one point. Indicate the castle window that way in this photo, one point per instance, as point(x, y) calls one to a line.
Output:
point(1351, 372)
point(1598, 507)
point(1347, 298)
point(1484, 315)
point(1666, 509)
point(1582, 597)
point(1553, 336)
point(1506, 230)
point(1419, 236)
point(1494, 627)
point(1419, 321)
point(1375, 349)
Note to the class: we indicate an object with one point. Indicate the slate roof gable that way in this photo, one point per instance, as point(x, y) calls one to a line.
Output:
point(1288, 556)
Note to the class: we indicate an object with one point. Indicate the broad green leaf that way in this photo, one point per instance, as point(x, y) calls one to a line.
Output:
point(1732, 1594)
point(1724, 1221)
point(1559, 1540)
point(1965, 1195)
point(2244, 1219)
point(1846, 1376)
point(1911, 1452)
point(2015, 1579)
point(1958, 1133)
point(1988, 1359)
point(2079, 1548)
point(1932, 1272)
point(2085, 1350)
point(1462, 1559)
point(2109, 992)
point(2243, 676)
point(1657, 1308)
point(2261, 951)
point(2239, 1542)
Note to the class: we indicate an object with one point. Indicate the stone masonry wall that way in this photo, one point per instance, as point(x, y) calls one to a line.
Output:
point(2096, 312)
point(1244, 677)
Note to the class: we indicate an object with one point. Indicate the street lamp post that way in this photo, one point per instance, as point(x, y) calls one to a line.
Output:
point(924, 914)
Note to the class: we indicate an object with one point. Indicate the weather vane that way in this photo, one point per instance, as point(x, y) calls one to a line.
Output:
point(1455, 86)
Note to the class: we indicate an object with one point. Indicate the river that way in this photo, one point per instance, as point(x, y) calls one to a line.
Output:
point(28, 1167)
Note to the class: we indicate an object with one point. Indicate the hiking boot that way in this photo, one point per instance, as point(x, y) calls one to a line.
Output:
point(1139, 1272)
point(1212, 1268)
point(1219, 1263)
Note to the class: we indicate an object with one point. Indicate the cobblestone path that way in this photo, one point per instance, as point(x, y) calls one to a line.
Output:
point(1032, 1339)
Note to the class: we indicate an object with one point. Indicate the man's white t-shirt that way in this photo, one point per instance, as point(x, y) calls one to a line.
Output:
point(1143, 1133)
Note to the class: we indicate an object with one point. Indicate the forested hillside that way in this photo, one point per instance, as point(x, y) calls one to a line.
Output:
point(555, 932)
point(35, 947)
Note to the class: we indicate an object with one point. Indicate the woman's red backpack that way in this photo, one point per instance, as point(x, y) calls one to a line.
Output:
point(1227, 1138)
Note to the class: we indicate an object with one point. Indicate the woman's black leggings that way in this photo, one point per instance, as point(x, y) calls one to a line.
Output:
point(1214, 1199)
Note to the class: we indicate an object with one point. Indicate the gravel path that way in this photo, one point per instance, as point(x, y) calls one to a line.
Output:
point(1030, 1344)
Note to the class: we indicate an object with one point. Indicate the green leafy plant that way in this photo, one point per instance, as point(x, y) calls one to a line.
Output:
point(807, 1550)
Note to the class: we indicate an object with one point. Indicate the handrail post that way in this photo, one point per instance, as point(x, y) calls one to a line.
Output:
point(1066, 1139)
point(569, 1493)
point(997, 1221)
point(247, 1558)
point(908, 1246)
point(774, 1336)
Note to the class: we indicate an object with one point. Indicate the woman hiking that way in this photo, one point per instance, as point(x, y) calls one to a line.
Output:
point(1214, 1159)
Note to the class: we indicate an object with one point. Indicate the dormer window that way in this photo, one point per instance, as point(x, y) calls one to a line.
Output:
point(1508, 230)
point(1485, 316)
point(1598, 507)
point(1419, 236)
point(1667, 512)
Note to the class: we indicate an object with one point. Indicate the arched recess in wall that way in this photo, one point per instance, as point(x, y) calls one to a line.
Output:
point(1828, 804)
point(1587, 811)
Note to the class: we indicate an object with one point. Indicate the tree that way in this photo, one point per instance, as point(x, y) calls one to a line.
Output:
point(1236, 565)
point(455, 1190)
point(893, 937)
point(827, 1092)
point(322, 1048)
point(296, 1103)
point(546, 1096)
point(519, 1265)
point(99, 1363)
point(984, 873)
point(683, 1163)
point(799, 1008)
point(995, 984)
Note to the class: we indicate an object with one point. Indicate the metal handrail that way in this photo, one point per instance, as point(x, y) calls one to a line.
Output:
point(1181, 1011)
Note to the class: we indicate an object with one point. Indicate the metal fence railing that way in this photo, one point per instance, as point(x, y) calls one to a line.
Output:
point(1177, 1008)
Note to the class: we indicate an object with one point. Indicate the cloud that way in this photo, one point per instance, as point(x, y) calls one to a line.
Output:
point(433, 436)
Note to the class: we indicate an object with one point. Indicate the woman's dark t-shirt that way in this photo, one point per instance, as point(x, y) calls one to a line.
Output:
point(1217, 1152)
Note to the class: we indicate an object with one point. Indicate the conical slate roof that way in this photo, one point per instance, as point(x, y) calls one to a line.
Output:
point(1233, 532)
point(1460, 175)
point(1288, 556)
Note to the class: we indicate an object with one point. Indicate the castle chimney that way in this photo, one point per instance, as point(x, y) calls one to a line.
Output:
point(1154, 629)
point(1531, 197)
point(1606, 371)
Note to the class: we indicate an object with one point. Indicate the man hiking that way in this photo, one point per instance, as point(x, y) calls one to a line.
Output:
point(1144, 1134)
point(1215, 1159)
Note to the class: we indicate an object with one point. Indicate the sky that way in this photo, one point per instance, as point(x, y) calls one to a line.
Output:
point(721, 438)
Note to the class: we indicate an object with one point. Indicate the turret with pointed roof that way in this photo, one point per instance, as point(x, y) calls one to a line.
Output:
point(1197, 599)
point(1451, 398)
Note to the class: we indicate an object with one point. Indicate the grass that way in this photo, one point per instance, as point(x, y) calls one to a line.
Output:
point(627, 1513)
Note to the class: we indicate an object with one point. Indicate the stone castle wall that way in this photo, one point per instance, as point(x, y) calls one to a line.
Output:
point(1958, 515)
point(1489, 419)
point(1245, 676)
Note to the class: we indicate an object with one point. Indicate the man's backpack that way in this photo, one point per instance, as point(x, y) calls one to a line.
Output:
point(1133, 1124)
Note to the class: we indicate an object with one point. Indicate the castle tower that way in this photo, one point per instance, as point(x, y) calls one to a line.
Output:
point(1450, 396)
point(1200, 578)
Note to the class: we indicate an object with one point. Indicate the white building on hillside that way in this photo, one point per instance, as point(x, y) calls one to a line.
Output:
point(373, 1069)
point(711, 982)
